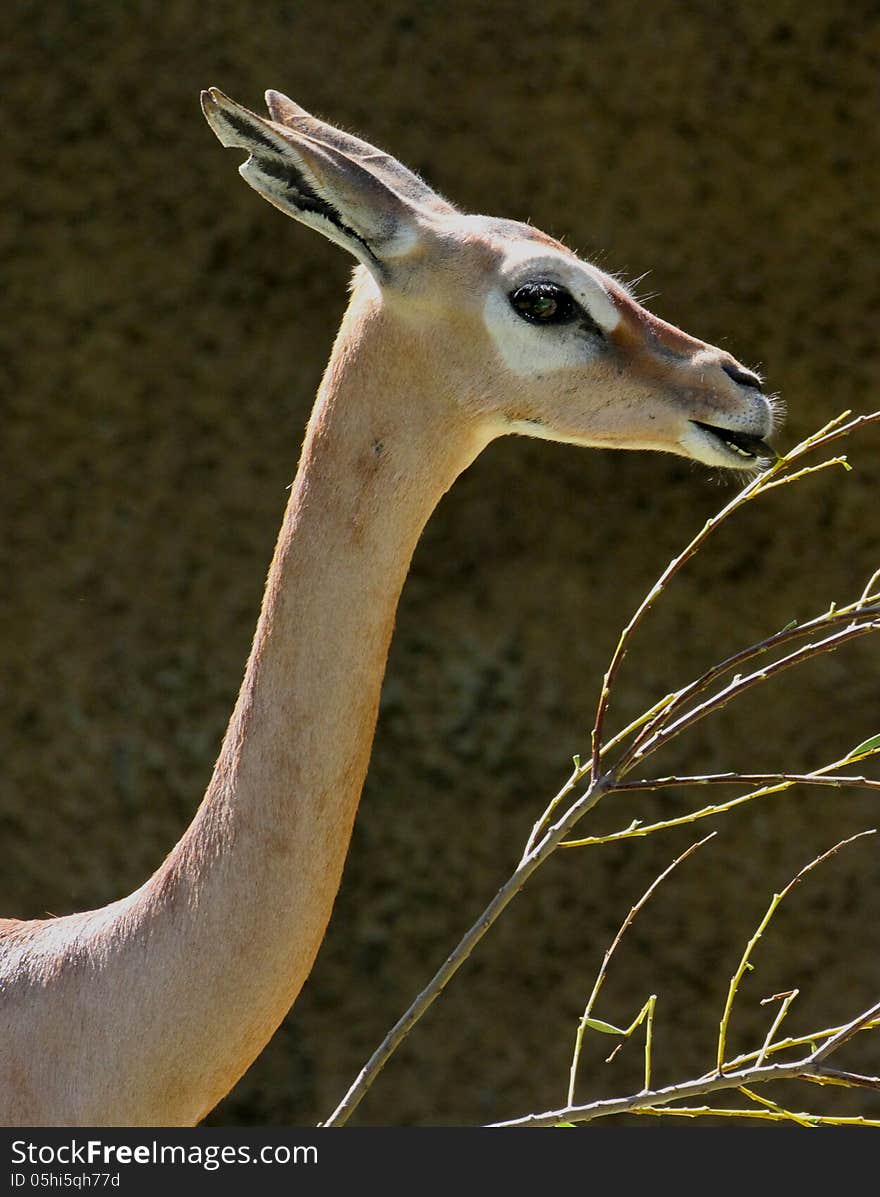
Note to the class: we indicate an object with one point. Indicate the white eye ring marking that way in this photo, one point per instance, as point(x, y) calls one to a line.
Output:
point(530, 349)
point(527, 347)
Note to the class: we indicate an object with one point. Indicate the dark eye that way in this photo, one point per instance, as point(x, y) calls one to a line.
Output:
point(544, 303)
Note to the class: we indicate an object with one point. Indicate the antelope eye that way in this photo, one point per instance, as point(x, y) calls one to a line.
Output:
point(543, 303)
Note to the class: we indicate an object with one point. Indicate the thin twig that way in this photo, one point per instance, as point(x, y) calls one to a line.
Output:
point(581, 772)
point(584, 1020)
point(740, 685)
point(767, 1046)
point(660, 1097)
point(824, 1075)
point(647, 603)
point(762, 779)
point(701, 1087)
point(637, 829)
point(673, 702)
point(761, 1114)
point(727, 1076)
point(544, 839)
point(766, 1104)
point(457, 957)
point(872, 581)
point(762, 926)
point(793, 1041)
point(552, 806)
point(770, 477)
point(845, 1033)
point(814, 469)
point(833, 431)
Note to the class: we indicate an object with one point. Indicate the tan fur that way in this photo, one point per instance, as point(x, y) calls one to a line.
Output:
point(148, 1010)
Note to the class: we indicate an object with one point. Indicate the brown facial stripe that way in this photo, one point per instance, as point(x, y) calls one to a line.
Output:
point(641, 333)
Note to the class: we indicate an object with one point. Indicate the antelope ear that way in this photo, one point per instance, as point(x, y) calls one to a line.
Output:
point(327, 184)
point(285, 112)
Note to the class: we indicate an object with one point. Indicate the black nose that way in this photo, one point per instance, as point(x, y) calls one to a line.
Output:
point(744, 378)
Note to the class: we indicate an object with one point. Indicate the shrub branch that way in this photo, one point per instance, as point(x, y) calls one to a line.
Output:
point(665, 720)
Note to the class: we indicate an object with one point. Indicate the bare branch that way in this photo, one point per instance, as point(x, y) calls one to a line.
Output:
point(600, 977)
point(660, 1097)
point(555, 833)
point(794, 1041)
point(637, 1103)
point(768, 785)
point(846, 1033)
point(766, 1104)
point(647, 603)
point(740, 685)
point(651, 729)
point(762, 926)
point(825, 1075)
point(772, 476)
point(763, 1115)
point(795, 631)
point(751, 779)
point(767, 1046)
point(823, 465)
point(728, 1076)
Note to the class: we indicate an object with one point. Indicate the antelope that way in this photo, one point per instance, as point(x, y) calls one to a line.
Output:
point(460, 329)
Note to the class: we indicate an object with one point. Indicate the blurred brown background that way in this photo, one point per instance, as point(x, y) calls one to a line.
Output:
point(164, 334)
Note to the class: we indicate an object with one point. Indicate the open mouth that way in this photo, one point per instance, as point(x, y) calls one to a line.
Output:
point(743, 445)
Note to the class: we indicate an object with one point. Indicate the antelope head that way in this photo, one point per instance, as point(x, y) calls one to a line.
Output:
point(531, 339)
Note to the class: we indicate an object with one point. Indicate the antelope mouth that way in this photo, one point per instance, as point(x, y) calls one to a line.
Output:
point(743, 446)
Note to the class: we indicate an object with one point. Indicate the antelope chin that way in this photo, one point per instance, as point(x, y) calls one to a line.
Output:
point(730, 447)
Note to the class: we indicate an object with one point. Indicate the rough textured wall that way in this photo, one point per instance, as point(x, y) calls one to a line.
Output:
point(164, 335)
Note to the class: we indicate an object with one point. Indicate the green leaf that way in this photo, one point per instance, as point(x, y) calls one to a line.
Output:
point(556, 1124)
point(868, 746)
point(596, 1024)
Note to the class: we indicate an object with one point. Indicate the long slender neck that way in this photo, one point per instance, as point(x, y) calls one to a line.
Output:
point(263, 859)
point(186, 979)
